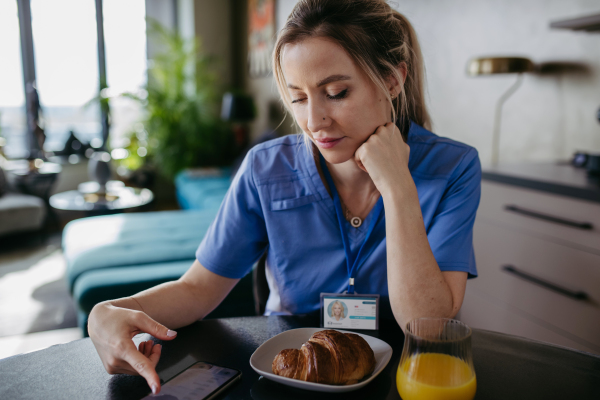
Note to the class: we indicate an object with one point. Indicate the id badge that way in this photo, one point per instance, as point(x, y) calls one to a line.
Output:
point(350, 311)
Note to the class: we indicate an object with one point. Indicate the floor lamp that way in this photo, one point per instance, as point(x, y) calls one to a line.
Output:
point(500, 65)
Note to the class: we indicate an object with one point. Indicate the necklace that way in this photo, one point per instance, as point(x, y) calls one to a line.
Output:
point(354, 221)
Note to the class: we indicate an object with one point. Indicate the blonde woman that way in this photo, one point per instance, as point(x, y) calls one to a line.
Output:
point(337, 311)
point(366, 191)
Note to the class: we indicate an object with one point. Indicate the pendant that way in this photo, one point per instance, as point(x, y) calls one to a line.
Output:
point(356, 222)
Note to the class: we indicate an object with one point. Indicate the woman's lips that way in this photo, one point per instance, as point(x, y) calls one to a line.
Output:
point(327, 143)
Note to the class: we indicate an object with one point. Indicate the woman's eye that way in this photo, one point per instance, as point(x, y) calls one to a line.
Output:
point(338, 96)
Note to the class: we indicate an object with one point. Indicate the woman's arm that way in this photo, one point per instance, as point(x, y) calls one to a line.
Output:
point(112, 324)
point(179, 303)
point(240, 229)
point(417, 287)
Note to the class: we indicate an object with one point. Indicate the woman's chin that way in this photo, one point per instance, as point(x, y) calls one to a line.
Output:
point(335, 156)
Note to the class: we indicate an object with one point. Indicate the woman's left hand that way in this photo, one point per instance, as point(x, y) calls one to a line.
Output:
point(384, 156)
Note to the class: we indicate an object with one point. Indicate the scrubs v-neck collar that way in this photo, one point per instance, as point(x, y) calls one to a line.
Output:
point(355, 235)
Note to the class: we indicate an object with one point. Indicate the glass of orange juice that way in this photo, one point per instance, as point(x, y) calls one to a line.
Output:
point(436, 362)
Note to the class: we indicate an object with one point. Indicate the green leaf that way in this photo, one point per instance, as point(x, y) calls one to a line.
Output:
point(181, 117)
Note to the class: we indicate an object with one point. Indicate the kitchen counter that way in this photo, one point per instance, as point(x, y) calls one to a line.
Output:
point(557, 178)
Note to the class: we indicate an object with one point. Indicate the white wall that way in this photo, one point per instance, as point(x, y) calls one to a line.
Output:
point(550, 116)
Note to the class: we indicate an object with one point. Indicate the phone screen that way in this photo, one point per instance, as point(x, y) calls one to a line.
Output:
point(200, 381)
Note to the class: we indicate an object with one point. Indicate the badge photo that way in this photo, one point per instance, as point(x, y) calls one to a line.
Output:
point(350, 311)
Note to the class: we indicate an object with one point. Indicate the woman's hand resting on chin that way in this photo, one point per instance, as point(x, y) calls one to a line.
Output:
point(384, 156)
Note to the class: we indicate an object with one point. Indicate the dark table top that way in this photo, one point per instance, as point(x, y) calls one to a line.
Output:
point(507, 367)
point(559, 178)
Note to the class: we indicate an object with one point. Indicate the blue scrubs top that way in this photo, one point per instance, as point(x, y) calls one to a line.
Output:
point(277, 201)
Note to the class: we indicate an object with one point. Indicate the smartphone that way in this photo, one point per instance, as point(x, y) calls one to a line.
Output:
point(200, 381)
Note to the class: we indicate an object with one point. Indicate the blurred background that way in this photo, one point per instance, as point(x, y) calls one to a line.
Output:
point(122, 123)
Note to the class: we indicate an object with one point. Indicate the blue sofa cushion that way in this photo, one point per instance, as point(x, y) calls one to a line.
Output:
point(133, 240)
point(95, 286)
point(200, 192)
point(103, 284)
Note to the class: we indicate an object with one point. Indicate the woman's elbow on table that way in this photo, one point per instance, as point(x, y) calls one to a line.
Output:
point(442, 301)
point(457, 282)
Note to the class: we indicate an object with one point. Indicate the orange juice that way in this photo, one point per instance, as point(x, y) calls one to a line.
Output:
point(435, 376)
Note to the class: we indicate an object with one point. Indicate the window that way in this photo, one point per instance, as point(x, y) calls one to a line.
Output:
point(125, 45)
point(66, 65)
point(12, 96)
point(65, 50)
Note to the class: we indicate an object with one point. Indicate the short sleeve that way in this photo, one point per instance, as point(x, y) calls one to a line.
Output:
point(237, 237)
point(451, 231)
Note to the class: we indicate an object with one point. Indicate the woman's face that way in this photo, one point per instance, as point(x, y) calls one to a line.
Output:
point(333, 100)
point(337, 310)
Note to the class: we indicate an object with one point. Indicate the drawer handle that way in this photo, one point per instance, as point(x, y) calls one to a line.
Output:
point(579, 295)
point(579, 225)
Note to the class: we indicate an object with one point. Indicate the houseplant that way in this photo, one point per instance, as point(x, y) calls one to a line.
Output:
point(181, 128)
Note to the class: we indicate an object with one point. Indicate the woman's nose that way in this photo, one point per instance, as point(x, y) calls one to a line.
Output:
point(317, 117)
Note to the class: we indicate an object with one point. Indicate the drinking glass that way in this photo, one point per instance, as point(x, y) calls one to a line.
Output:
point(436, 361)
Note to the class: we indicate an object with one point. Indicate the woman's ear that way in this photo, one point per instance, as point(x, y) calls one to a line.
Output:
point(394, 85)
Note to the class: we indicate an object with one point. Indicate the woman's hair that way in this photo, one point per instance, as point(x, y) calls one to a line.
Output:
point(343, 314)
point(376, 37)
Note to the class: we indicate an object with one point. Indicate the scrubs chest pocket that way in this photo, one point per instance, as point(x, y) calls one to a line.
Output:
point(281, 205)
point(287, 194)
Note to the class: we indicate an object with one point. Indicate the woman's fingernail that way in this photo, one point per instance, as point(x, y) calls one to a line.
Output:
point(159, 346)
point(171, 333)
point(154, 388)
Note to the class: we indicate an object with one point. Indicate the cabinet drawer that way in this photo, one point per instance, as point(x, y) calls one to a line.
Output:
point(568, 221)
point(479, 311)
point(554, 264)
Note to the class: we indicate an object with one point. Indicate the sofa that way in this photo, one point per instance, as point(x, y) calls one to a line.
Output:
point(202, 190)
point(119, 255)
point(19, 212)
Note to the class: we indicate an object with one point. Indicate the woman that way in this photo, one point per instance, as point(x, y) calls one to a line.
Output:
point(346, 70)
point(337, 311)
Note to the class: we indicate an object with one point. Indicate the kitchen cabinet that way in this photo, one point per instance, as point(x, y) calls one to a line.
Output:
point(537, 246)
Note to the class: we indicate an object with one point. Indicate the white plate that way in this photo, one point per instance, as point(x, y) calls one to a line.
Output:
point(262, 359)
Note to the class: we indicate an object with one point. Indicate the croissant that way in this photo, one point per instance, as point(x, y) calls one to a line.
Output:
point(329, 357)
